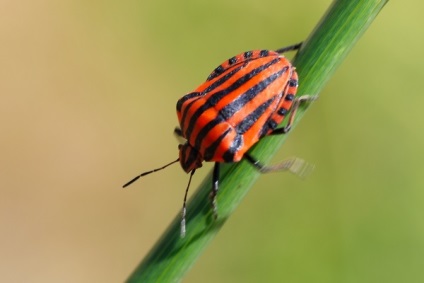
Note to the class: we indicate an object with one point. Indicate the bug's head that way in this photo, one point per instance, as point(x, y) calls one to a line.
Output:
point(190, 158)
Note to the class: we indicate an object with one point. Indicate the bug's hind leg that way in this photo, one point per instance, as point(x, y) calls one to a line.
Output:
point(282, 111)
point(294, 165)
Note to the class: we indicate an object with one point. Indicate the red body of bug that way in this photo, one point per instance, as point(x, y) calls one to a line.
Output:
point(242, 100)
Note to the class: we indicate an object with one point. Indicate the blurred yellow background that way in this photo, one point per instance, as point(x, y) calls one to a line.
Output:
point(87, 101)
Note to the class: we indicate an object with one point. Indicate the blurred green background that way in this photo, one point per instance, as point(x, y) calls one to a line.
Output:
point(87, 101)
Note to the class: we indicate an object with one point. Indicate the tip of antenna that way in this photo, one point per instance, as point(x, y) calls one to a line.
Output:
point(130, 182)
point(183, 228)
point(183, 223)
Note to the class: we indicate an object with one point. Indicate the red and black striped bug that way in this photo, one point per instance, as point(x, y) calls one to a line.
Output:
point(243, 100)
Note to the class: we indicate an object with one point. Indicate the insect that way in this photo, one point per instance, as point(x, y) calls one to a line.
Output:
point(242, 100)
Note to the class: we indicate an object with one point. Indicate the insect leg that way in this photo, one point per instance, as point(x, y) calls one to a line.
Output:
point(295, 106)
point(294, 165)
point(178, 132)
point(179, 135)
point(289, 48)
point(214, 192)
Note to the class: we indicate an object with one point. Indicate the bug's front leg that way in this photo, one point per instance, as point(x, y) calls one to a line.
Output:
point(179, 135)
point(178, 132)
point(214, 191)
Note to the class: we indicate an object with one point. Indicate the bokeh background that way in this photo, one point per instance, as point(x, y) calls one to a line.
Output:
point(87, 101)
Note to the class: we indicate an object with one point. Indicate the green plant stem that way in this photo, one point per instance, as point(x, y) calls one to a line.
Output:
point(320, 55)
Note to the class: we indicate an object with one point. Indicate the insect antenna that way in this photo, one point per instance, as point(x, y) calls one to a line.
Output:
point(183, 213)
point(148, 172)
